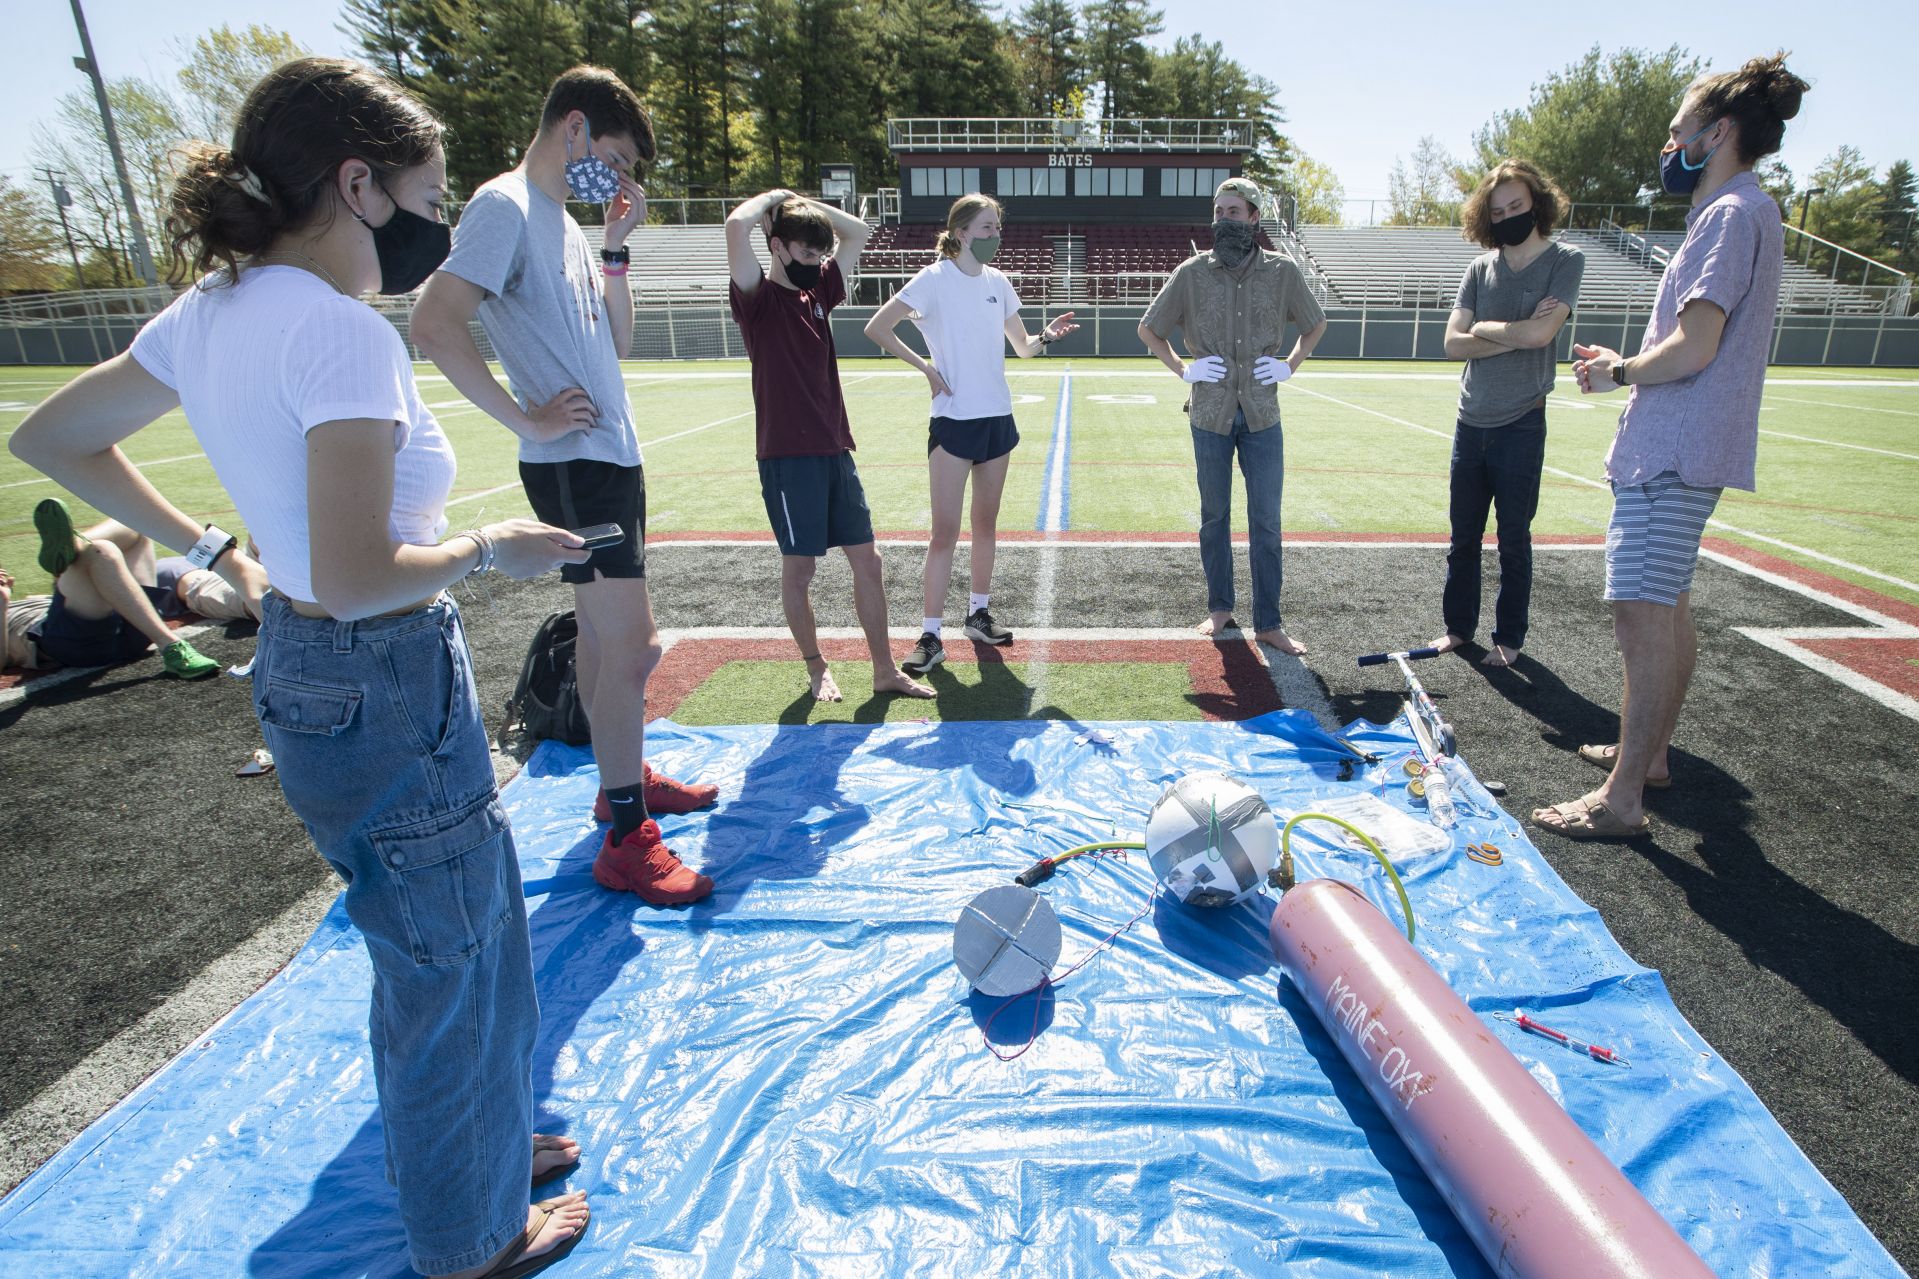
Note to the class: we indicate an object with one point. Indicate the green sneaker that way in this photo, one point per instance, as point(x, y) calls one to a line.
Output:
point(59, 544)
point(183, 662)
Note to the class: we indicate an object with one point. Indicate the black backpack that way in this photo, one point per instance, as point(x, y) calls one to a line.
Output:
point(546, 702)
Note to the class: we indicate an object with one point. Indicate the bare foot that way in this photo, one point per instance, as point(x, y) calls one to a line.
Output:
point(1282, 641)
point(1447, 643)
point(550, 1152)
point(900, 682)
point(825, 689)
point(1500, 656)
point(1215, 623)
point(565, 1216)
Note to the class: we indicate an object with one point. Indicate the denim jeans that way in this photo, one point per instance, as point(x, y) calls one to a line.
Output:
point(376, 733)
point(1496, 468)
point(1262, 459)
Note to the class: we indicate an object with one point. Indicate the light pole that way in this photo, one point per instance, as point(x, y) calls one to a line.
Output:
point(1805, 203)
point(61, 199)
point(142, 256)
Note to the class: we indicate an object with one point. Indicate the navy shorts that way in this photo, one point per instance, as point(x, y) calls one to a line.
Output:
point(977, 439)
point(578, 494)
point(71, 640)
point(815, 503)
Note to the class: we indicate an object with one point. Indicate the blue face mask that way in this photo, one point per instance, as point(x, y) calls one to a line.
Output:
point(590, 178)
point(1678, 177)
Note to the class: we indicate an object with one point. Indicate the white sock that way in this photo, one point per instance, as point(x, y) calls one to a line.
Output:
point(931, 625)
point(979, 602)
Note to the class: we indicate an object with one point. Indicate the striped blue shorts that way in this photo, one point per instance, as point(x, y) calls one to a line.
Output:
point(1652, 543)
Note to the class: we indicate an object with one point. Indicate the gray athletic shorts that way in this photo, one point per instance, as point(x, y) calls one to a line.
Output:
point(1652, 543)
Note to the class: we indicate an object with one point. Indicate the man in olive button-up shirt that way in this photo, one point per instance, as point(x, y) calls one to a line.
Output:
point(1234, 303)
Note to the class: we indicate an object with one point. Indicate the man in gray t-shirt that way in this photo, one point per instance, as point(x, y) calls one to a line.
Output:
point(1513, 301)
point(560, 324)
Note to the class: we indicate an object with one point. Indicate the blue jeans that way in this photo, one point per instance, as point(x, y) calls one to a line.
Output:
point(1262, 459)
point(376, 733)
point(1494, 468)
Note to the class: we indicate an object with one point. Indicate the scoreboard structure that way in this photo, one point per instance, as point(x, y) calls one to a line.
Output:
point(1083, 172)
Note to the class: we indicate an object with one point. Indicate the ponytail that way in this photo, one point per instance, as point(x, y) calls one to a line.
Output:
point(218, 212)
point(1759, 98)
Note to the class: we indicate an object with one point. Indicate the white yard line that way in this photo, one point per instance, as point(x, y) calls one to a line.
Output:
point(138, 466)
point(1834, 404)
point(1841, 444)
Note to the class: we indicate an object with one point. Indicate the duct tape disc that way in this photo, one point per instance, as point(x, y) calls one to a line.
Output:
point(1006, 940)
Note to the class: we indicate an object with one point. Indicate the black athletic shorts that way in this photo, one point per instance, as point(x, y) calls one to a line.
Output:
point(977, 439)
point(577, 494)
point(71, 640)
point(814, 503)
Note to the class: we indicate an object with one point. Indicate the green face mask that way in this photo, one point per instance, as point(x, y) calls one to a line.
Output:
point(985, 247)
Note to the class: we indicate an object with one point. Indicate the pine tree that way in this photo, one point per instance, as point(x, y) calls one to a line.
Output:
point(1898, 199)
point(1043, 47)
point(1117, 58)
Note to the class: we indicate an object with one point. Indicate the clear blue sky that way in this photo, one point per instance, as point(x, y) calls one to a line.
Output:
point(1360, 81)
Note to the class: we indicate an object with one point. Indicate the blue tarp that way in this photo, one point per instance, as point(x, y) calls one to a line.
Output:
point(790, 1078)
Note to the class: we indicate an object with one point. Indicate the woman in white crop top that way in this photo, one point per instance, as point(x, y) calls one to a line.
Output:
point(304, 400)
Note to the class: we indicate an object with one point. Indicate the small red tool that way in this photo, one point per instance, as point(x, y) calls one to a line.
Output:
point(1519, 1018)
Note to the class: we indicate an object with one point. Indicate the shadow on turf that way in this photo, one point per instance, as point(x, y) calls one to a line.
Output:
point(350, 1224)
point(1780, 924)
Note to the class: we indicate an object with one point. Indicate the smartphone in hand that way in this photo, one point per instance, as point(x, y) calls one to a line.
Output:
point(598, 535)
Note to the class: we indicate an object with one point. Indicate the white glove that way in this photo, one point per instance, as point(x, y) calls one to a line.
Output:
point(1269, 370)
point(1207, 368)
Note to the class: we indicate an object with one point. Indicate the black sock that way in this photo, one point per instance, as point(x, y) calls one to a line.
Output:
point(629, 808)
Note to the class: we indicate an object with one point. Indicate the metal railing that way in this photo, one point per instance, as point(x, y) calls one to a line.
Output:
point(1046, 133)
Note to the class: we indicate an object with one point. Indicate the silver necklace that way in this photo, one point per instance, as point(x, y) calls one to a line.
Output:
point(319, 270)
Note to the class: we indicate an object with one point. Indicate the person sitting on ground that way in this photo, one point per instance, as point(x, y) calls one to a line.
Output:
point(111, 600)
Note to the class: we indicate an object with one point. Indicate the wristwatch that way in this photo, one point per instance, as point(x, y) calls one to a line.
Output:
point(214, 542)
point(620, 256)
point(1619, 374)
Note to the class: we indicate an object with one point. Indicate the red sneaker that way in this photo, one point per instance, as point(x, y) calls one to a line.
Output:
point(662, 794)
point(643, 864)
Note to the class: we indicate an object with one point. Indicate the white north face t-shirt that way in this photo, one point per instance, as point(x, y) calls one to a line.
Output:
point(963, 318)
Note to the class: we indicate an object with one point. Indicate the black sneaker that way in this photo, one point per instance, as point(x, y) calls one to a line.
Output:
point(981, 626)
point(927, 654)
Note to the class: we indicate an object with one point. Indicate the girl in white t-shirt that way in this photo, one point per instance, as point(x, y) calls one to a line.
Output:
point(303, 399)
point(967, 311)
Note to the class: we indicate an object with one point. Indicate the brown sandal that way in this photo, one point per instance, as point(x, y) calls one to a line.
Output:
point(1602, 757)
point(1588, 818)
point(515, 1264)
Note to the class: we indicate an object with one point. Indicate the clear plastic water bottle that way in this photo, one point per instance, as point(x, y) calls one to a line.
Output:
point(1439, 797)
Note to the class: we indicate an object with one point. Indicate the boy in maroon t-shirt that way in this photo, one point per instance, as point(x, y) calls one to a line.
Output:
point(805, 446)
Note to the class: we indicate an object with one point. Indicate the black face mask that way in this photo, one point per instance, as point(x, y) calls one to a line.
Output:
point(801, 275)
point(1513, 229)
point(1233, 241)
point(410, 246)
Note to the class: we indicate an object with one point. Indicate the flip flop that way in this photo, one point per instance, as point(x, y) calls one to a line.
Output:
point(515, 1264)
point(1588, 818)
point(1601, 757)
point(542, 1141)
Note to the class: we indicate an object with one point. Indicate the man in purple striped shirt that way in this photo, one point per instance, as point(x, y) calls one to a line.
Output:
point(1691, 425)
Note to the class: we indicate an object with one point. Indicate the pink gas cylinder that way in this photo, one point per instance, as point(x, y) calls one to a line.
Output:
point(1532, 1190)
